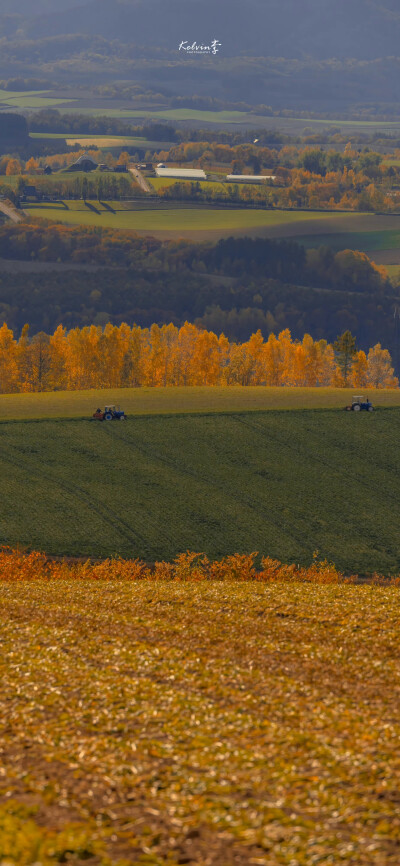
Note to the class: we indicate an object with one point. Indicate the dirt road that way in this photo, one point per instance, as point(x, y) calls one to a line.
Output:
point(140, 179)
point(10, 211)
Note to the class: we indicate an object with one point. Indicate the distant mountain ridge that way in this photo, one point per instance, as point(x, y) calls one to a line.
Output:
point(319, 29)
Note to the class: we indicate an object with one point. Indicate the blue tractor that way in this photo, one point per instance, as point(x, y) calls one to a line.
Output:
point(360, 404)
point(110, 413)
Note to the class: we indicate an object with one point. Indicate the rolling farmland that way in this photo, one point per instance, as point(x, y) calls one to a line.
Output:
point(220, 118)
point(376, 234)
point(281, 483)
point(167, 219)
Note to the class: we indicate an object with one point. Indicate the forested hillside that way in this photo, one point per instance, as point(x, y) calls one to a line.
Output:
point(279, 28)
point(312, 55)
point(13, 131)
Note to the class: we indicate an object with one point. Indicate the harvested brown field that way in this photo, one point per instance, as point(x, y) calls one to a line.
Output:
point(107, 141)
point(197, 721)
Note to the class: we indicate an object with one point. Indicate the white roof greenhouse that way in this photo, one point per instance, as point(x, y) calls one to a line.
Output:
point(188, 173)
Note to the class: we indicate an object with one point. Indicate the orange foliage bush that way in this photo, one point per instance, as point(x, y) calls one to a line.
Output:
point(17, 565)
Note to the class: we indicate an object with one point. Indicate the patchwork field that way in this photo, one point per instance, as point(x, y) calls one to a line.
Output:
point(32, 100)
point(281, 483)
point(236, 118)
point(226, 723)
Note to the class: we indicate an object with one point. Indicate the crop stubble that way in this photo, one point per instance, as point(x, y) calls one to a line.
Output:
point(225, 723)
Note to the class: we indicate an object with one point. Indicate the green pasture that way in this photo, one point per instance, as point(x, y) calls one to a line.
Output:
point(224, 118)
point(371, 233)
point(159, 182)
point(16, 94)
point(9, 180)
point(31, 99)
point(187, 219)
point(357, 240)
point(175, 114)
point(181, 400)
point(394, 272)
point(282, 483)
point(221, 186)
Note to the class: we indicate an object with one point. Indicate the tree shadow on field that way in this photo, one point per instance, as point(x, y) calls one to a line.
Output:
point(107, 206)
point(91, 206)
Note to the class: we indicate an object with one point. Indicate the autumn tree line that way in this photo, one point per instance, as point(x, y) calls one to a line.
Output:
point(96, 357)
point(10, 165)
point(16, 173)
point(303, 176)
point(308, 177)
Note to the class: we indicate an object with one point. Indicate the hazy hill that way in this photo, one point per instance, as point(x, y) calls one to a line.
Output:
point(313, 55)
point(32, 8)
point(363, 29)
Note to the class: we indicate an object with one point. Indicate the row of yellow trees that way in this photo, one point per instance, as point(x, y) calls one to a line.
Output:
point(95, 357)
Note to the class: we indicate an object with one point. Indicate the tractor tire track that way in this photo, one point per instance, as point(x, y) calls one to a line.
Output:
point(153, 523)
point(105, 514)
point(372, 488)
point(210, 481)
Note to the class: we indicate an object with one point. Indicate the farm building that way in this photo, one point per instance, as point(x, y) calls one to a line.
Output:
point(84, 163)
point(249, 178)
point(182, 173)
point(30, 193)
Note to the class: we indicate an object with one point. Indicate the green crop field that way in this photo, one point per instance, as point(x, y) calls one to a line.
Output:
point(381, 246)
point(281, 483)
point(357, 240)
point(372, 233)
point(187, 221)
